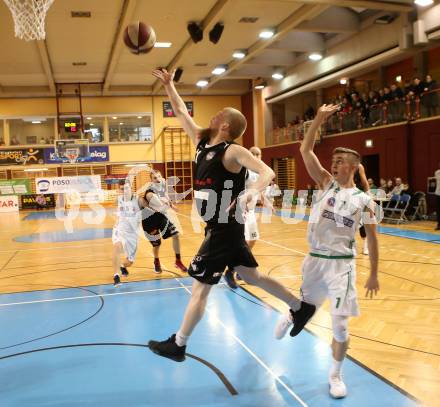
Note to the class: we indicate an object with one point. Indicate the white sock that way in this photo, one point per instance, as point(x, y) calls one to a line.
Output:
point(336, 367)
point(181, 339)
point(295, 304)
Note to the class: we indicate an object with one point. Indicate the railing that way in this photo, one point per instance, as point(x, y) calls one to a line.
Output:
point(408, 108)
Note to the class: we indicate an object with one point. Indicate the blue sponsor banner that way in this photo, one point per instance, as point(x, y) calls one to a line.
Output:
point(97, 153)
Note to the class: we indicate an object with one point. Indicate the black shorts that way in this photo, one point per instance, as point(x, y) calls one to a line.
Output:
point(224, 245)
point(158, 226)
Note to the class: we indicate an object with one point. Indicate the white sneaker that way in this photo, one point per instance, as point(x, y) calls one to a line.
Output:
point(337, 390)
point(282, 326)
point(365, 248)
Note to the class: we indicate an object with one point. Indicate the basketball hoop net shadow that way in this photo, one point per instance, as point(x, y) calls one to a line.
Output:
point(29, 18)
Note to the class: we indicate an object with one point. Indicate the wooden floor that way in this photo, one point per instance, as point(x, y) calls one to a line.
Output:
point(397, 335)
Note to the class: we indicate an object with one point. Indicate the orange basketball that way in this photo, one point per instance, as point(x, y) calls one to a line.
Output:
point(139, 38)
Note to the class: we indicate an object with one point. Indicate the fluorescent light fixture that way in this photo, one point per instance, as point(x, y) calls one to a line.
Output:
point(114, 117)
point(202, 83)
point(277, 75)
point(162, 45)
point(267, 33)
point(315, 56)
point(399, 78)
point(258, 87)
point(343, 81)
point(139, 117)
point(219, 70)
point(424, 3)
point(89, 118)
point(121, 123)
point(36, 121)
point(36, 169)
point(369, 143)
point(91, 124)
point(239, 54)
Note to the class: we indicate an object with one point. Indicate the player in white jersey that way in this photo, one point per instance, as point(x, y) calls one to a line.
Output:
point(125, 232)
point(329, 270)
point(251, 232)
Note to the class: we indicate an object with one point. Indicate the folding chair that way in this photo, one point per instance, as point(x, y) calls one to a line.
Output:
point(397, 213)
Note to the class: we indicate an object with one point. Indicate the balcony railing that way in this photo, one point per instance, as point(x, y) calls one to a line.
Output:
point(408, 108)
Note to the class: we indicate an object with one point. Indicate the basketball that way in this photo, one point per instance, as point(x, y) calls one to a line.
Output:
point(139, 38)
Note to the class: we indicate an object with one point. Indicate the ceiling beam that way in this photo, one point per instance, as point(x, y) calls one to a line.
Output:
point(368, 4)
point(115, 52)
point(208, 22)
point(300, 14)
point(47, 65)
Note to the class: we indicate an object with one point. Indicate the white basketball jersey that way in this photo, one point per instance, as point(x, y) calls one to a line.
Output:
point(129, 215)
point(334, 220)
point(160, 188)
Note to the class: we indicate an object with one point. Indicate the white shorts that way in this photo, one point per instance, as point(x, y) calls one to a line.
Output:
point(129, 242)
point(334, 279)
point(251, 227)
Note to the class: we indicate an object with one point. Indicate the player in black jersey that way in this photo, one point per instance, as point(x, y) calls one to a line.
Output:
point(360, 179)
point(158, 226)
point(222, 201)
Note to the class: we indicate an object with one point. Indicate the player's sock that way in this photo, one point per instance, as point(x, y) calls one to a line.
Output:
point(177, 256)
point(335, 370)
point(116, 280)
point(295, 304)
point(168, 349)
point(181, 339)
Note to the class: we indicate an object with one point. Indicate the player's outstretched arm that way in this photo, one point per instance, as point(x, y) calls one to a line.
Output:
point(178, 105)
point(320, 175)
point(363, 177)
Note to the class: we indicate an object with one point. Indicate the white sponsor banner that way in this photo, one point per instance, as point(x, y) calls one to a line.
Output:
point(9, 203)
point(57, 185)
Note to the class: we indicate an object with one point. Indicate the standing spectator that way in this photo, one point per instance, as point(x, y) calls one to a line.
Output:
point(407, 89)
point(437, 195)
point(431, 98)
point(396, 92)
point(398, 108)
point(387, 96)
point(309, 113)
point(418, 86)
point(14, 141)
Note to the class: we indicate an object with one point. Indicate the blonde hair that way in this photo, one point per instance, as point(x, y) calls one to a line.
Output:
point(237, 122)
point(354, 154)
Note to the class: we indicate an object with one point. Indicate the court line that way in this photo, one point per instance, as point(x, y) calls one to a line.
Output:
point(88, 296)
point(243, 345)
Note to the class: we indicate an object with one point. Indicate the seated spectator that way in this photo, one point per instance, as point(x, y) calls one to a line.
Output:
point(430, 99)
point(399, 188)
point(383, 184)
point(371, 183)
point(390, 186)
point(14, 141)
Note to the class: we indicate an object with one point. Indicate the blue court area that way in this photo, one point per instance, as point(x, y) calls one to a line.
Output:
point(65, 236)
point(87, 346)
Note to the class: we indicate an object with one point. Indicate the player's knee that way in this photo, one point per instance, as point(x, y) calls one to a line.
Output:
point(251, 277)
point(340, 328)
point(128, 263)
point(156, 242)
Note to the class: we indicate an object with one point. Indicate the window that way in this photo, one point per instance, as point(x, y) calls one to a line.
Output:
point(130, 128)
point(94, 129)
point(32, 130)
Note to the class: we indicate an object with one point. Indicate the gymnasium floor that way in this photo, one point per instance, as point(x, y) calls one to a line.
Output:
point(70, 338)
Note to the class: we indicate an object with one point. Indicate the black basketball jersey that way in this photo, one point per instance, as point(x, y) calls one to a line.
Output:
point(150, 217)
point(215, 187)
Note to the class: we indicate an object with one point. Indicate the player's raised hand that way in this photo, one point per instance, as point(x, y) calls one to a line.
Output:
point(326, 111)
point(164, 76)
point(372, 286)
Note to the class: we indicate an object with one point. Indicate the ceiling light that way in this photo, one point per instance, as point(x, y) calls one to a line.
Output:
point(91, 124)
point(162, 44)
point(114, 117)
point(139, 117)
point(35, 169)
point(239, 54)
point(89, 118)
point(219, 70)
point(343, 81)
point(202, 83)
point(369, 143)
point(278, 75)
point(315, 56)
point(121, 123)
point(424, 3)
point(36, 122)
point(268, 33)
point(399, 78)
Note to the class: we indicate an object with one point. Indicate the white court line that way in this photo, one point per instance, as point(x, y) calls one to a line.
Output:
point(267, 368)
point(89, 296)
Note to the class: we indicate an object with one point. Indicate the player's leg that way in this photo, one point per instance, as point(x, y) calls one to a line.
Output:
point(363, 234)
point(176, 247)
point(340, 342)
point(156, 243)
point(118, 251)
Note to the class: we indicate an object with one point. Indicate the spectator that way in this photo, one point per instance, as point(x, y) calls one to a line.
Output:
point(345, 106)
point(418, 86)
point(390, 186)
point(14, 141)
point(431, 98)
point(381, 96)
point(373, 98)
point(387, 96)
point(371, 183)
point(396, 92)
point(407, 89)
point(383, 184)
point(309, 113)
point(399, 188)
point(437, 195)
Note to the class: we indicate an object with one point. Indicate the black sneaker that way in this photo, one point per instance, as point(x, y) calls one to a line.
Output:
point(168, 349)
point(301, 317)
point(230, 280)
point(116, 280)
point(157, 268)
point(124, 271)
